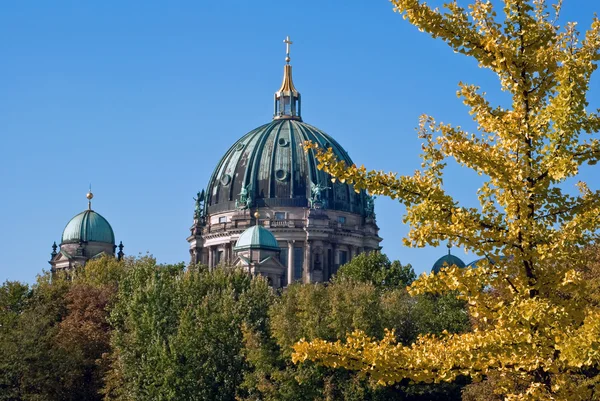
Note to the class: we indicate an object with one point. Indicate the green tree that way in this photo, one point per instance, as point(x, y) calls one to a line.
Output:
point(376, 268)
point(330, 311)
point(31, 366)
point(178, 333)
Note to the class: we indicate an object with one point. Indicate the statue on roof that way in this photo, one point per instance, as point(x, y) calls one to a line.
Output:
point(199, 206)
point(245, 200)
point(316, 196)
point(370, 206)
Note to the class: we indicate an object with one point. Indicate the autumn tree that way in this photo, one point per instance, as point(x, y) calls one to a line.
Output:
point(529, 298)
point(54, 335)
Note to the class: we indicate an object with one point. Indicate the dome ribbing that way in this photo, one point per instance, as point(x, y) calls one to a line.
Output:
point(270, 164)
point(88, 226)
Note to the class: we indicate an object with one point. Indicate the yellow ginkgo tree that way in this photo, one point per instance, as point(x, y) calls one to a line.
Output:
point(535, 315)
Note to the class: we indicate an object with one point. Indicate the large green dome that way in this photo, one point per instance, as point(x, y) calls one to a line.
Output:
point(88, 226)
point(272, 165)
point(256, 237)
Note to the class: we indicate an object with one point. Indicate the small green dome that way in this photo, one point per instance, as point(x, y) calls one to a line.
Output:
point(88, 226)
point(257, 237)
point(447, 260)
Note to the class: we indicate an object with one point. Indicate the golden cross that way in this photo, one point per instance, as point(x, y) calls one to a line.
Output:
point(287, 42)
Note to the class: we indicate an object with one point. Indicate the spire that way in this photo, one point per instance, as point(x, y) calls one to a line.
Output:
point(287, 98)
point(54, 253)
point(449, 246)
point(89, 197)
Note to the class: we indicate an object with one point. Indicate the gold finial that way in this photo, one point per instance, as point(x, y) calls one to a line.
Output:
point(89, 197)
point(287, 98)
point(449, 246)
point(287, 85)
point(287, 42)
point(256, 215)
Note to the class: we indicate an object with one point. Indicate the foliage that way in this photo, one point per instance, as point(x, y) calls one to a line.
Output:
point(13, 298)
point(534, 316)
point(31, 367)
point(376, 268)
point(53, 336)
point(330, 311)
point(135, 330)
point(178, 332)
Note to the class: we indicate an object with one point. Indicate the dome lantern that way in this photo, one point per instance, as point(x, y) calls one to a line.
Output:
point(287, 98)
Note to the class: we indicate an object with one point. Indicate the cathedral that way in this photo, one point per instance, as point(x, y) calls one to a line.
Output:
point(266, 207)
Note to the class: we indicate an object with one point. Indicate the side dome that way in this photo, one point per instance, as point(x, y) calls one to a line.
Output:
point(256, 237)
point(447, 260)
point(88, 226)
point(270, 165)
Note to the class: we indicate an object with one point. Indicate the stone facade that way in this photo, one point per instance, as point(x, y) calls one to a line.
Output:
point(313, 242)
point(262, 262)
point(319, 223)
point(72, 255)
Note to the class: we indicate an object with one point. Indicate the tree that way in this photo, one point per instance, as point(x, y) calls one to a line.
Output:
point(31, 367)
point(178, 331)
point(376, 268)
point(54, 335)
point(330, 312)
point(13, 298)
point(530, 303)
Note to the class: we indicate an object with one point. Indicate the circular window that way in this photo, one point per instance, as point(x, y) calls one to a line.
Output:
point(226, 179)
point(283, 142)
point(281, 175)
point(240, 146)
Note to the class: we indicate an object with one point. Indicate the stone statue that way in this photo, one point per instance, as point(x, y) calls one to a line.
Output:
point(199, 207)
point(316, 198)
point(370, 206)
point(245, 200)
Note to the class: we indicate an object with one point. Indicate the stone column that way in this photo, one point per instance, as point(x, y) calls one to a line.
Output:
point(325, 262)
point(290, 271)
point(193, 256)
point(210, 257)
point(333, 268)
point(231, 252)
point(307, 263)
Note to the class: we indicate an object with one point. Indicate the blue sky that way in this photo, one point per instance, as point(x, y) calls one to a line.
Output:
point(142, 98)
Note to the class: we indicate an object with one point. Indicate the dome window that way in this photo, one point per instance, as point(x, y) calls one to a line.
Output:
point(226, 179)
point(281, 175)
point(283, 142)
point(239, 146)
